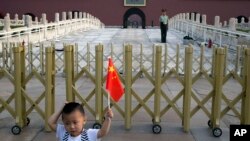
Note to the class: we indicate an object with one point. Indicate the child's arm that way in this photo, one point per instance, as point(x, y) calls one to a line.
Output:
point(54, 118)
point(106, 124)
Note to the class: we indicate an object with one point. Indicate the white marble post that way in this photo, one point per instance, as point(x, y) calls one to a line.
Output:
point(232, 23)
point(44, 19)
point(28, 21)
point(217, 21)
point(75, 15)
point(64, 16)
point(8, 15)
point(57, 17)
point(204, 19)
point(184, 16)
point(192, 16)
point(225, 23)
point(7, 23)
point(180, 16)
point(236, 22)
point(23, 17)
point(70, 15)
point(16, 17)
point(242, 20)
point(187, 16)
point(84, 15)
point(36, 20)
point(80, 15)
point(198, 16)
point(220, 24)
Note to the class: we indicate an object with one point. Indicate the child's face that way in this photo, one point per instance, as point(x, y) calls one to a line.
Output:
point(74, 122)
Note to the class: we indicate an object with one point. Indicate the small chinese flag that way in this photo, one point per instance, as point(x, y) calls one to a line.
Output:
point(113, 83)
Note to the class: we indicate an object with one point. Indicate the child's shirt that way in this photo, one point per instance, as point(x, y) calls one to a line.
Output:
point(86, 135)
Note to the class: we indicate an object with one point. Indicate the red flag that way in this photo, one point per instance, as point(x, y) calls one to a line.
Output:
point(113, 83)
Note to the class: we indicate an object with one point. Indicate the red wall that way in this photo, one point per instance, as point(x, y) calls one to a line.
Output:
point(111, 11)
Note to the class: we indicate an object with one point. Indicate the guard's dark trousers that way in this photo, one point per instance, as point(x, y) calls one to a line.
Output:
point(164, 29)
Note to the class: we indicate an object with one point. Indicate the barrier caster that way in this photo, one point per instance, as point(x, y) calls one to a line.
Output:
point(27, 121)
point(209, 123)
point(156, 129)
point(97, 126)
point(16, 130)
point(217, 132)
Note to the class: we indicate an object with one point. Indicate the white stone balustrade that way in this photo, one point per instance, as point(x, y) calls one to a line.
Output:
point(202, 32)
point(204, 19)
point(35, 31)
point(232, 24)
point(57, 18)
point(70, 15)
point(217, 21)
point(225, 23)
point(198, 18)
point(242, 20)
point(192, 16)
point(64, 16)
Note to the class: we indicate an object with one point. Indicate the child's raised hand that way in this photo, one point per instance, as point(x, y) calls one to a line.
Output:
point(109, 113)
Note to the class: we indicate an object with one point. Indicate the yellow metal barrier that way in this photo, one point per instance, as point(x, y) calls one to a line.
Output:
point(128, 85)
point(98, 83)
point(245, 114)
point(220, 76)
point(187, 87)
point(19, 76)
point(20, 81)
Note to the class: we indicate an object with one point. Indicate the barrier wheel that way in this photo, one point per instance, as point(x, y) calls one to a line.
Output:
point(209, 123)
point(156, 129)
point(97, 126)
point(28, 121)
point(16, 130)
point(217, 132)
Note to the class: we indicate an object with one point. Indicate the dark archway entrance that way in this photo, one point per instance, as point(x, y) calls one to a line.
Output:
point(133, 11)
point(241, 16)
point(1, 16)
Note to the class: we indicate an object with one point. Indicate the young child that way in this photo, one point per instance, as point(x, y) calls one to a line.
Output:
point(74, 119)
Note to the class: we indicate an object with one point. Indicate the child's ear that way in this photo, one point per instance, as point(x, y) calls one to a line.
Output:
point(85, 118)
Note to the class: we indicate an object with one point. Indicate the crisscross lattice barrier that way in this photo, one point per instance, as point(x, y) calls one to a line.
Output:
point(216, 104)
point(85, 67)
point(24, 101)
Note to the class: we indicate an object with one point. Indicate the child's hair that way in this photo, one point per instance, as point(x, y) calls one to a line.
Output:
point(71, 107)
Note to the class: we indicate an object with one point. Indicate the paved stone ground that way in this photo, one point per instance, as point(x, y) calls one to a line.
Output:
point(141, 122)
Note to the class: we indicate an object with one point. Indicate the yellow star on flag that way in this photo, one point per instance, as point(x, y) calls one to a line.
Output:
point(111, 69)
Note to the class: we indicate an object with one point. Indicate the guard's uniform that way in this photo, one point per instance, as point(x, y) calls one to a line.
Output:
point(164, 27)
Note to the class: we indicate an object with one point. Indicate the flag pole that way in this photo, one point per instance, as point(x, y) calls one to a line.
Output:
point(108, 100)
point(109, 57)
